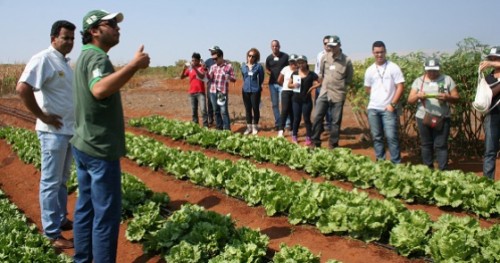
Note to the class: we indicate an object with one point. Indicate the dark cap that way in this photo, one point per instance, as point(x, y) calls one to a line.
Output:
point(431, 64)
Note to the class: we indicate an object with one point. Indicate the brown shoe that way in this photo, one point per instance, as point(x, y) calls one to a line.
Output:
point(61, 243)
point(67, 225)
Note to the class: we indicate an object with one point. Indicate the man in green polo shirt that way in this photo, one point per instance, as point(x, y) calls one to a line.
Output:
point(99, 137)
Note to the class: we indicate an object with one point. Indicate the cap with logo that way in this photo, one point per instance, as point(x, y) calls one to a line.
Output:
point(431, 64)
point(95, 16)
point(494, 52)
point(292, 57)
point(213, 48)
point(301, 57)
point(333, 41)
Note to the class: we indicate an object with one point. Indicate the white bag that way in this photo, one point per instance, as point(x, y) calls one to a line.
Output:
point(484, 95)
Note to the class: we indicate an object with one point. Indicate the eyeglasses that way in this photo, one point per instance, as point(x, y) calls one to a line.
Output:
point(324, 43)
point(251, 55)
point(111, 23)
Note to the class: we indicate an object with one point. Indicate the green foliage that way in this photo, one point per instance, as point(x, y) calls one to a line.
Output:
point(20, 240)
point(297, 254)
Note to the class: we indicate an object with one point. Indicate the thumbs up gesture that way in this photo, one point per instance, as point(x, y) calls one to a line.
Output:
point(141, 59)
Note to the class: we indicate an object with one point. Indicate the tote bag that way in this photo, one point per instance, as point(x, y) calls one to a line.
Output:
point(484, 95)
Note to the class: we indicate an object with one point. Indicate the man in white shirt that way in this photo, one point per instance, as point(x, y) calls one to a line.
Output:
point(45, 87)
point(384, 81)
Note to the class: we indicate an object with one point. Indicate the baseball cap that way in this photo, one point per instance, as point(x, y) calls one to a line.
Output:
point(292, 57)
point(431, 64)
point(95, 16)
point(494, 52)
point(213, 48)
point(301, 57)
point(333, 41)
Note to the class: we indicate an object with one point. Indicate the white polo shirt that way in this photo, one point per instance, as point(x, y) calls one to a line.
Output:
point(51, 77)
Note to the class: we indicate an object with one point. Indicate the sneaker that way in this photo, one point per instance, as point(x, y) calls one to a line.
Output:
point(61, 243)
point(280, 133)
point(67, 225)
point(294, 139)
point(255, 129)
point(248, 130)
point(308, 141)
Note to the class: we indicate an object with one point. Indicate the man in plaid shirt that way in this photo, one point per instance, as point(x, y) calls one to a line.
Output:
point(220, 74)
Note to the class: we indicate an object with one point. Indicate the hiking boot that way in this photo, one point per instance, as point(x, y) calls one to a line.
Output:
point(294, 138)
point(61, 243)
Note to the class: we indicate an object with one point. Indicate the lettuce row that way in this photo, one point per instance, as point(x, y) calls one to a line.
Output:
point(332, 209)
point(412, 183)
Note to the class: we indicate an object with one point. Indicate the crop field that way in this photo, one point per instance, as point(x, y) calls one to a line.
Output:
point(201, 195)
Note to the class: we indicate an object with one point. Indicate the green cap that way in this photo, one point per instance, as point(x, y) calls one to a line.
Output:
point(95, 16)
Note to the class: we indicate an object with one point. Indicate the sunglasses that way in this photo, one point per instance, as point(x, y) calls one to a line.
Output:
point(111, 23)
point(251, 56)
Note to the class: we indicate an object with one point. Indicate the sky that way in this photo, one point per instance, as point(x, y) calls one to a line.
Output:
point(173, 29)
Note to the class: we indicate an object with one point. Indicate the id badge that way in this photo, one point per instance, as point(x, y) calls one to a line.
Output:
point(276, 58)
point(332, 67)
point(250, 73)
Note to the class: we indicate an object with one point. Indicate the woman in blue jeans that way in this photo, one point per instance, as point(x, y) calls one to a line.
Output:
point(302, 81)
point(434, 92)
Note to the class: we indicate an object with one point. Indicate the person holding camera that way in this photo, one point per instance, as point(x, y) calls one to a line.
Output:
point(196, 73)
point(433, 92)
point(220, 74)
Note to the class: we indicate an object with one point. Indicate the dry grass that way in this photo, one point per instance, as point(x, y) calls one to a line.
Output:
point(9, 74)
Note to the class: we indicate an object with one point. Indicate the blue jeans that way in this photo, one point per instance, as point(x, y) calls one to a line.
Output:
point(491, 145)
point(275, 92)
point(221, 113)
point(434, 141)
point(323, 107)
point(385, 123)
point(199, 99)
point(56, 164)
point(98, 208)
point(302, 108)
